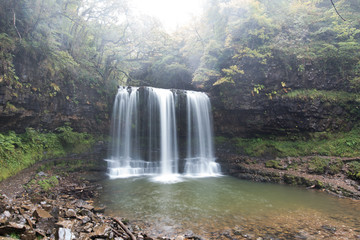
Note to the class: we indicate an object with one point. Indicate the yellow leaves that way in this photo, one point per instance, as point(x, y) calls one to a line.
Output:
point(253, 53)
point(233, 70)
point(257, 89)
point(230, 73)
point(55, 87)
point(224, 80)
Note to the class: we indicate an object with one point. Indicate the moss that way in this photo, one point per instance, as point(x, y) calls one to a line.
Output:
point(320, 165)
point(48, 183)
point(274, 164)
point(342, 144)
point(220, 140)
point(319, 184)
point(354, 170)
point(18, 151)
point(329, 96)
point(290, 179)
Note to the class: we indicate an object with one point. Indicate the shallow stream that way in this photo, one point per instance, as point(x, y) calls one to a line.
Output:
point(226, 207)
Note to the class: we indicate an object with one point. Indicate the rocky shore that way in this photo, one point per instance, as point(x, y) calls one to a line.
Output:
point(306, 171)
point(63, 211)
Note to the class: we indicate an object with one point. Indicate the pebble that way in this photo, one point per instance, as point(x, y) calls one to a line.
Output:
point(42, 174)
point(7, 214)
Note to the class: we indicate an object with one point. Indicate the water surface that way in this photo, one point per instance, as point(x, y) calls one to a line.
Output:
point(221, 206)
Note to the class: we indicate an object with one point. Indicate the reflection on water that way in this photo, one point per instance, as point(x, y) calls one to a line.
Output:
point(210, 206)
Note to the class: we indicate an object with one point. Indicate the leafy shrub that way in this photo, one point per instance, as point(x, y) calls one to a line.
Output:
point(74, 141)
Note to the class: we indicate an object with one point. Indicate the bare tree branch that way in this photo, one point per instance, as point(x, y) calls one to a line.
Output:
point(337, 10)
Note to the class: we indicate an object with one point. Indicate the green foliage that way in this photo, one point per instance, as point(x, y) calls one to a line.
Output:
point(18, 151)
point(74, 141)
point(47, 183)
point(329, 96)
point(7, 70)
point(258, 88)
point(15, 235)
point(274, 164)
point(355, 83)
point(230, 74)
point(320, 165)
point(354, 170)
point(342, 144)
point(220, 140)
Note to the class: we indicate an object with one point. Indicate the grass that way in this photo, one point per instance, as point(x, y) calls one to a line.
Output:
point(19, 151)
point(342, 144)
point(329, 96)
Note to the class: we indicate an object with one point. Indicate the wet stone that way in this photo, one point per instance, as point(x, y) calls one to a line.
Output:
point(85, 219)
point(7, 214)
point(40, 213)
point(28, 235)
point(65, 224)
point(42, 174)
point(12, 228)
point(65, 234)
point(70, 213)
point(99, 209)
point(329, 228)
point(237, 230)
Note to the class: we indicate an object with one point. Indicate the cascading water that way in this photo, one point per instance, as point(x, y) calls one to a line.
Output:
point(200, 159)
point(145, 135)
point(168, 136)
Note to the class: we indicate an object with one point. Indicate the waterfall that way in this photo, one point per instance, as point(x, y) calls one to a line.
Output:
point(145, 138)
point(200, 159)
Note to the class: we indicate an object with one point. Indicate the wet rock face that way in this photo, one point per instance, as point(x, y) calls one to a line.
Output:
point(240, 111)
point(42, 100)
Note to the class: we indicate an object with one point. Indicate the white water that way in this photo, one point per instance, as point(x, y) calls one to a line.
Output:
point(200, 161)
point(144, 135)
point(168, 136)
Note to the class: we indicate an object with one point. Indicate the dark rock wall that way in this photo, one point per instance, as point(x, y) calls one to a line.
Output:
point(44, 100)
point(239, 111)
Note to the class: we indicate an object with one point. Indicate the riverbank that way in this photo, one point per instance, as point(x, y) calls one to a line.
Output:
point(330, 174)
point(327, 161)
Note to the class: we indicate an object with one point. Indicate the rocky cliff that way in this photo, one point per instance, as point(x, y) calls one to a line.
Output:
point(278, 99)
point(43, 99)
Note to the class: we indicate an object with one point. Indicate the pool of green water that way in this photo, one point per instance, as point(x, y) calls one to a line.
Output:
point(226, 207)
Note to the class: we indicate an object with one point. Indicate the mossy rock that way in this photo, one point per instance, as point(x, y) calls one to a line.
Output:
point(275, 164)
point(354, 170)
